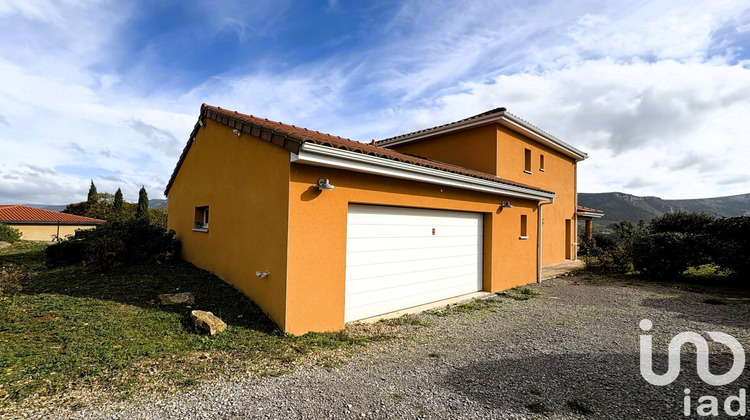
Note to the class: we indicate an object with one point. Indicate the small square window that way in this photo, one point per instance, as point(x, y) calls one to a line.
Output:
point(527, 161)
point(524, 227)
point(541, 163)
point(201, 219)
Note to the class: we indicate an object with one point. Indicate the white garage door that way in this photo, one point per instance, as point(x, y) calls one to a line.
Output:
point(397, 258)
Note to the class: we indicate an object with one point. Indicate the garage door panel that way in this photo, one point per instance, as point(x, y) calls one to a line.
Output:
point(374, 258)
point(364, 309)
point(385, 243)
point(395, 262)
point(407, 289)
point(408, 277)
point(368, 269)
point(395, 232)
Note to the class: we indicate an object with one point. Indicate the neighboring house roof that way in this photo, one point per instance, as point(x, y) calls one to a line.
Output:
point(20, 214)
point(589, 212)
point(294, 138)
point(493, 116)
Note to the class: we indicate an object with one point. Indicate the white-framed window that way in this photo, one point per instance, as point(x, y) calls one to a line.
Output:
point(541, 163)
point(524, 227)
point(201, 219)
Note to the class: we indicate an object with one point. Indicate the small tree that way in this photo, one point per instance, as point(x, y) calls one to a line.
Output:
point(118, 201)
point(142, 210)
point(92, 193)
point(9, 234)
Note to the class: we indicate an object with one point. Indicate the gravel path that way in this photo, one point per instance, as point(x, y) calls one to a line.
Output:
point(571, 352)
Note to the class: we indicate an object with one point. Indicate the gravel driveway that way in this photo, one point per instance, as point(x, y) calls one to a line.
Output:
point(571, 352)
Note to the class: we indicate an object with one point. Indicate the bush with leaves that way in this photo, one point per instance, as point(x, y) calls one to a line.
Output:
point(611, 261)
point(731, 244)
point(115, 243)
point(673, 243)
point(9, 234)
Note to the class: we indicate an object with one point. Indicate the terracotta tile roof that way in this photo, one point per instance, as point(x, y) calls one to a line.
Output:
point(17, 213)
point(291, 137)
point(498, 111)
point(492, 116)
point(588, 210)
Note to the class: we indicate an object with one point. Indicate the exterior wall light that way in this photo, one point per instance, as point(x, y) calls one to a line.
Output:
point(236, 132)
point(323, 184)
point(506, 205)
point(263, 274)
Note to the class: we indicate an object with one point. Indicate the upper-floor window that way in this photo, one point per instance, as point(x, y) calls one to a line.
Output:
point(201, 219)
point(527, 163)
point(541, 163)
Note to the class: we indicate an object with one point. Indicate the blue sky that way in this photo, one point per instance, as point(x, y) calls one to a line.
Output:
point(657, 92)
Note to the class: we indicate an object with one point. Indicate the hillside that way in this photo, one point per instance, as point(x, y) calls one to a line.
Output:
point(620, 206)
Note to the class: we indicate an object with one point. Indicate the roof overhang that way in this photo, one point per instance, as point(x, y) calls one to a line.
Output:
point(504, 118)
point(325, 156)
point(589, 214)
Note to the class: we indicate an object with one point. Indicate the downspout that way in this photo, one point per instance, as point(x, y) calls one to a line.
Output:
point(539, 241)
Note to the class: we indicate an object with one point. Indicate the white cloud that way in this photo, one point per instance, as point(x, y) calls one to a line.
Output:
point(642, 87)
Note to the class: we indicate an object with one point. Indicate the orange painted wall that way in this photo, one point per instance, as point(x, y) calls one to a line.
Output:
point(498, 150)
point(317, 237)
point(474, 148)
point(559, 176)
point(245, 183)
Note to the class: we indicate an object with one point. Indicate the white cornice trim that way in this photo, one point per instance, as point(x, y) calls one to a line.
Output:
point(318, 155)
point(507, 120)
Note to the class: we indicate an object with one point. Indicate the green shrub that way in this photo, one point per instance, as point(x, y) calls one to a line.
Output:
point(114, 243)
point(9, 234)
point(669, 254)
point(65, 253)
point(682, 222)
point(731, 244)
point(612, 261)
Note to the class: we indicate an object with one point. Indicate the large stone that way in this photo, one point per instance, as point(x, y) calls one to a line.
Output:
point(4, 244)
point(177, 298)
point(208, 322)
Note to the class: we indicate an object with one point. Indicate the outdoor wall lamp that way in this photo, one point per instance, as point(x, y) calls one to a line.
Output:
point(323, 184)
point(236, 132)
point(200, 122)
point(506, 205)
point(262, 275)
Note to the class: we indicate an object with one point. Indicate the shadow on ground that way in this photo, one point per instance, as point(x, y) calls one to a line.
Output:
point(724, 313)
point(141, 285)
point(589, 385)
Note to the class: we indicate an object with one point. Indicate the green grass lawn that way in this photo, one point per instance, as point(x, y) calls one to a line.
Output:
point(70, 329)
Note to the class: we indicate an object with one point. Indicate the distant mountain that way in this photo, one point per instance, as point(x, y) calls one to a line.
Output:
point(620, 206)
point(53, 207)
point(157, 203)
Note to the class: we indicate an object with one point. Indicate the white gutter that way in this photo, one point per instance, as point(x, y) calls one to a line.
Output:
point(539, 242)
point(325, 156)
point(506, 119)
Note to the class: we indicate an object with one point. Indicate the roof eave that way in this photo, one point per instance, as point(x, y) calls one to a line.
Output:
point(49, 222)
point(589, 214)
point(507, 120)
point(318, 155)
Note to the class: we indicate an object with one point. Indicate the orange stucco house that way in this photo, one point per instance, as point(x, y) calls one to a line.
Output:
point(320, 230)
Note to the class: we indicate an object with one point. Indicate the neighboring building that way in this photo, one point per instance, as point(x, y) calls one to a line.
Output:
point(587, 215)
point(44, 225)
point(319, 230)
